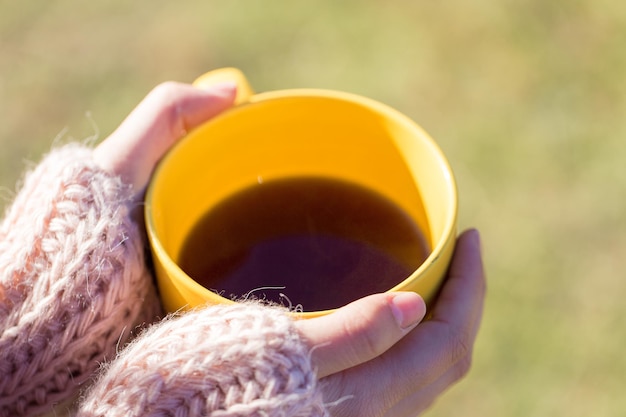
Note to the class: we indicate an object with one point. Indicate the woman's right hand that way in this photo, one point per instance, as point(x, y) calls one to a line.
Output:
point(375, 360)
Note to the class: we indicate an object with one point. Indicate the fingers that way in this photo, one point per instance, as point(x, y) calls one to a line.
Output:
point(460, 303)
point(446, 341)
point(360, 331)
point(167, 113)
point(411, 374)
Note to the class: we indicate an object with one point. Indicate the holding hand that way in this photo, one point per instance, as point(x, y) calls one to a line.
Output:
point(375, 360)
point(166, 115)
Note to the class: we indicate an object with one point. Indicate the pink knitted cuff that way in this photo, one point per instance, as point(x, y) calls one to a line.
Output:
point(232, 360)
point(73, 285)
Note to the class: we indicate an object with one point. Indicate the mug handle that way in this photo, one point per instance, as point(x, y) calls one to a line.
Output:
point(244, 91)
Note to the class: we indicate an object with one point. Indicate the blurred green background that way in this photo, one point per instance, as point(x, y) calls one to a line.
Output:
point(527, 99)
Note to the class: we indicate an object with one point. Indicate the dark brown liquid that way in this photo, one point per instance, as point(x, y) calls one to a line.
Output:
point(309, 242)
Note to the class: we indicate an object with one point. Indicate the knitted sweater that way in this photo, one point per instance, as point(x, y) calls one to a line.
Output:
point(75, 293)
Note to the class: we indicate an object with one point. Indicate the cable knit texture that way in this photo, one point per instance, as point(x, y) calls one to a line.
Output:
point(74, 291)
point(223, 361)
point(73, 286)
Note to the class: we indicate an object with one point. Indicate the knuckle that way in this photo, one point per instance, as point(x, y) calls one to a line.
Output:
point(373, 344)
point(462, 367)
point(461, 345)
point(165, 95)
point(461, 350)
point(167, 91)
point(169, 94)
point(366, 342)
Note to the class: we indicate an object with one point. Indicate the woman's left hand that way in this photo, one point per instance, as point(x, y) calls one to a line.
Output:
point(164, 116)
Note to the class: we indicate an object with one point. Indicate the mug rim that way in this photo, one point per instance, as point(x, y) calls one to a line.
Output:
point(257, 99)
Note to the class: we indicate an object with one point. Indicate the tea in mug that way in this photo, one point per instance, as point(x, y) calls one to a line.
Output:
point(310, 242)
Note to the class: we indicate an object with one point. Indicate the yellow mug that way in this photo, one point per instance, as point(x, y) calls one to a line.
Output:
point(298, 132)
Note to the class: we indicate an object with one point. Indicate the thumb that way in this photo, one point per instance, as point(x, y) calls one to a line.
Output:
point(361, 330)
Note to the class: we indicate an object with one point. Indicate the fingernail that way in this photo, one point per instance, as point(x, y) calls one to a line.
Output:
point(408, 309)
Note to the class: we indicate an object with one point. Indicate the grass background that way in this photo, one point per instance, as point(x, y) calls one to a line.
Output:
point(527, 99)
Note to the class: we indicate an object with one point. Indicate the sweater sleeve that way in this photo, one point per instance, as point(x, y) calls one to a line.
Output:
point(73, 284)
point(222, 361)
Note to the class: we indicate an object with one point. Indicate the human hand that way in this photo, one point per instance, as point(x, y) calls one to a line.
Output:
point(375, 360)
point(167, 113)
